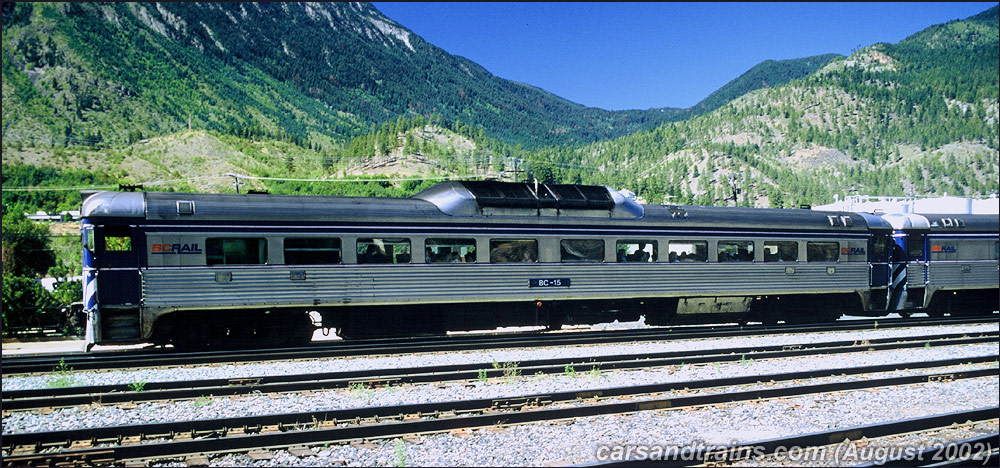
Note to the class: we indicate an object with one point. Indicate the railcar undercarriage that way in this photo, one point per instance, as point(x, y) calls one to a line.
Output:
point(221, 329)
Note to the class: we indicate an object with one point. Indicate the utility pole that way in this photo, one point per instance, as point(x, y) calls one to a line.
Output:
point(736, 190)
point(236, 180)
point(516, 170)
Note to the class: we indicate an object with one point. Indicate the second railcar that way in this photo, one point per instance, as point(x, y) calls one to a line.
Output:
point(945, 264)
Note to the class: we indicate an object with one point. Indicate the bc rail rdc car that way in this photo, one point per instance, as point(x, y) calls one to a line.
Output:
point(206, 270)
point(941, 263)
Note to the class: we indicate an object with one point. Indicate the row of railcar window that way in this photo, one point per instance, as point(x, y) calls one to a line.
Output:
point(325, 251)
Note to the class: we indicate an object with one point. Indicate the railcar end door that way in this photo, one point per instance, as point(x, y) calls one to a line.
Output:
point(879, 249)
point(118, 250)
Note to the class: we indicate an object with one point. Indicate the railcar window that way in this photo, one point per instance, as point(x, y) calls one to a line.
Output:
point(236, 251)
point(88, 238)
point(915, 245)
point(513, 250)
point(383, 251)
point(312, 251)
point(687, 251)
point(581, 250)
point(450, 250)
point(880, 248)
point(781, 251)
point(635, 251)
point(117, 244)
point(117, 239)
point(822, 251)
point(735, 251)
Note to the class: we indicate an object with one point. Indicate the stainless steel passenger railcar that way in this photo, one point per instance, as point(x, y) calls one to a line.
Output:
point(215, 269)
point(945, 263)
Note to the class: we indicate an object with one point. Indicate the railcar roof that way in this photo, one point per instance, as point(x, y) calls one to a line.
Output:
point(454, 202)
point(963, 222)
point(944, 222)
point(762, 218)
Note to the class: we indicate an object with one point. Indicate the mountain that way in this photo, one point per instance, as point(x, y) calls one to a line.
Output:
point(766, 74)
point(310, 73)
point(918, 117)
point(306, 72)
point(279, 91)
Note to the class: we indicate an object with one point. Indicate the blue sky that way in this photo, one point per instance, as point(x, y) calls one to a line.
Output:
point(642, 55)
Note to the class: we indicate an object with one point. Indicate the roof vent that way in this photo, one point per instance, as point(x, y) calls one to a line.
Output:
point(185, 207)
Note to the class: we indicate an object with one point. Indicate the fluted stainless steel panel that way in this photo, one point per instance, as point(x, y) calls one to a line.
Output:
point(946, 275)
point(389, 284)
point(916, 275)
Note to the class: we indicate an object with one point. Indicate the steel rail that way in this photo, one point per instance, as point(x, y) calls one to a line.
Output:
point(167, 357)
point(291, 437)
point(375, 373)
point(73, 396)
point(221, 426)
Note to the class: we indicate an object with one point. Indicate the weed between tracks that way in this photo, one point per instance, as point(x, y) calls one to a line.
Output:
point(201, 401)
point(360, 390)
point(509, 369)
point(400, 453)
point(137, 386)
point(62, 376)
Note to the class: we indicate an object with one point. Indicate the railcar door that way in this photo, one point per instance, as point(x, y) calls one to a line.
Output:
point(117, 258)
point(897, 272)
point(916, 257)
point(878, 256)
point(117, 255)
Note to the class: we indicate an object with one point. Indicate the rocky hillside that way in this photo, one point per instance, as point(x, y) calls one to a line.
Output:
point(916, 117)
point(312, 73)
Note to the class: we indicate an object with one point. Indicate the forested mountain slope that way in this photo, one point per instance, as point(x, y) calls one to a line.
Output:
point(106, 93)
point(308, 72)
point(917, 117)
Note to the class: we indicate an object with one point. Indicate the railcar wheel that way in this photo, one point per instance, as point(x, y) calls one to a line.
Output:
point(556, 321)
point(937, 308)
point(299, 333)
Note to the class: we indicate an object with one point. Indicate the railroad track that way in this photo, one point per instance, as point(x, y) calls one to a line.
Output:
point(195, 440)
point(169, 358)
point(296, 432)
point(177, 390)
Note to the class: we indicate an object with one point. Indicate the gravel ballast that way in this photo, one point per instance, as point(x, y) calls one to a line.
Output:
point(564, 442)
point(344, 364)
point(260, 404)
point(582, 440)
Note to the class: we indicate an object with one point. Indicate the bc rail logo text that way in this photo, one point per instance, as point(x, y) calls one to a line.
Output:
point(175, 249)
